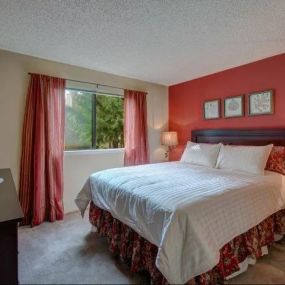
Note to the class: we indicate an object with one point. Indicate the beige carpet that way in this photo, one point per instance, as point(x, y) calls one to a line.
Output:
point(67, 252)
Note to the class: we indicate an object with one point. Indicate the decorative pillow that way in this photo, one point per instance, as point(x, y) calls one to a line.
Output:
point(251, 159)
point(276, 160)
point(201, 153)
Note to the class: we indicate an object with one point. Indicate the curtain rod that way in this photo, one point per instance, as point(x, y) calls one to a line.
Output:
point(79, 81)
point(94, 83)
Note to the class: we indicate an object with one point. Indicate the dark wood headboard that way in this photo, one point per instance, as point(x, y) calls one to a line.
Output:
point(240, 136)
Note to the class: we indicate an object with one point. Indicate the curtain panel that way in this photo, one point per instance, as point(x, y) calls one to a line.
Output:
point(135, 128)
point(41, 170)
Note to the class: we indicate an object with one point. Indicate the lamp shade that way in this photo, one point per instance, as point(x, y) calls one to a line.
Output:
point(169, 139)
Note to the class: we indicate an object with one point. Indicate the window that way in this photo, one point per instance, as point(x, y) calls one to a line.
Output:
point(93, 120)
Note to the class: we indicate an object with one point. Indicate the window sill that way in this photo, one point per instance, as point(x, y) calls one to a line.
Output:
point(94, 151)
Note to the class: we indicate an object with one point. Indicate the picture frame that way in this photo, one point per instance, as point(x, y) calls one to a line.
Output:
point(212, 109)
point(234, 106)
point(261, 103)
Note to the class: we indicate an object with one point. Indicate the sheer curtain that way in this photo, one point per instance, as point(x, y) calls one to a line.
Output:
point(135, 128)
point(41, 173)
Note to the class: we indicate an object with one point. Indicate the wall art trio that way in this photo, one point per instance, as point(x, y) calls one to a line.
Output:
point(259, 103)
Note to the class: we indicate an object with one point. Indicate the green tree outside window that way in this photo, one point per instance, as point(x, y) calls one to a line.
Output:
point(93, 121)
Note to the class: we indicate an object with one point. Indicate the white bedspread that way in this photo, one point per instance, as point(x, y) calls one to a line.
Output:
point(189, 212)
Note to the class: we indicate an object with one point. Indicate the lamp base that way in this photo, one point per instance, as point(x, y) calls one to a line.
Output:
point(166, 154)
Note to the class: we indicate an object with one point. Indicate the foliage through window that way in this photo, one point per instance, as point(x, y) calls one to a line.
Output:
point(93, 121)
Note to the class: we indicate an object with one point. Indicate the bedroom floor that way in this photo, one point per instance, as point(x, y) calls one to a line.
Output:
point(67, 252)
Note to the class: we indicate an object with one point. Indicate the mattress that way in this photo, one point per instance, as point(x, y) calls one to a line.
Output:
point(189, 212)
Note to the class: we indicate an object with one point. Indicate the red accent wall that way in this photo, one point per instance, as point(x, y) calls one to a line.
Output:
point(186, 99)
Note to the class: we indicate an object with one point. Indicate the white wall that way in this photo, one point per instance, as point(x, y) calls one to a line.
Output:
point(14, 80)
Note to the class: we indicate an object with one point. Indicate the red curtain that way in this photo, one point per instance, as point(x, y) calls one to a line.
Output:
point(135, 128)
point(41, 173)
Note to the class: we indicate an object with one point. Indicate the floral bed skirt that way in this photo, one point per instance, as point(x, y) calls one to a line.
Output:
point(140, 254)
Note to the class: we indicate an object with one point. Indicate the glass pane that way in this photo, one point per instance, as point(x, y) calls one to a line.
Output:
point(78, 120)
point(109, 122)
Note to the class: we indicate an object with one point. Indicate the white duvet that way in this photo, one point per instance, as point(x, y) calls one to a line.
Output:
point(189, 212)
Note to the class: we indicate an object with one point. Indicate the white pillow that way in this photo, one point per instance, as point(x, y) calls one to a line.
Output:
point(251, 159)
point(201, 153)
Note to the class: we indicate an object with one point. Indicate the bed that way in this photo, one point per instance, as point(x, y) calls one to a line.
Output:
point(189, 224)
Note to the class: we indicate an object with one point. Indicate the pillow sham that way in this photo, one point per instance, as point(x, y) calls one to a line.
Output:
point(276, 160)
point(201, 154)
point(251, 159)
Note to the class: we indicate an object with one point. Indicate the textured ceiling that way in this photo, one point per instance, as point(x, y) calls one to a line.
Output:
point(162, 41)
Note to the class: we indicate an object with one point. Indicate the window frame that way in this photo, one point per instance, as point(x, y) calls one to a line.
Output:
point(93, 148)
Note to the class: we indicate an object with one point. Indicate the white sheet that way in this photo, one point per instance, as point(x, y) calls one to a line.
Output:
point(189, 212)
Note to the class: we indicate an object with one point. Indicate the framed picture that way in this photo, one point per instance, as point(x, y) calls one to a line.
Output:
point(234, 106)
point(261, 103)
point(212, 109)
